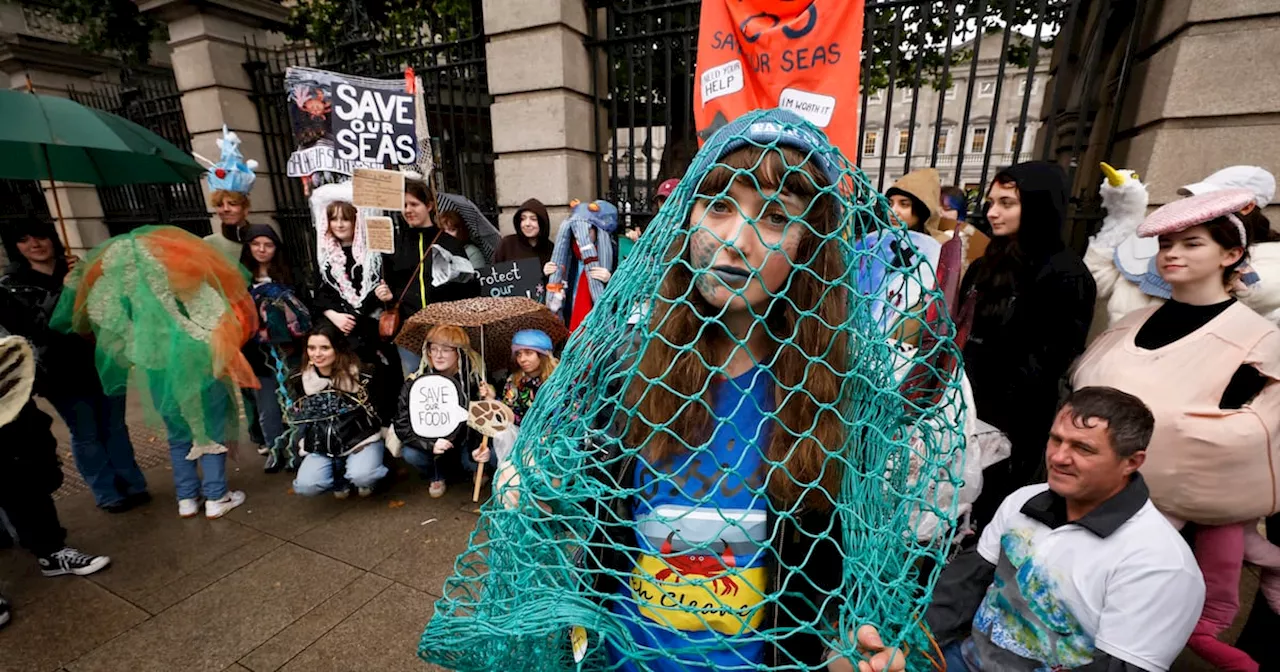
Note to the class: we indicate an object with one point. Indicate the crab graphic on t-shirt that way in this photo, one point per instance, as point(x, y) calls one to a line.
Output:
point(701, 564)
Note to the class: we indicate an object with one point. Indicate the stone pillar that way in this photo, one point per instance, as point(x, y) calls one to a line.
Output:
point(1200, 98)
point(208, 40)
point(35, 47)
point(544, 121)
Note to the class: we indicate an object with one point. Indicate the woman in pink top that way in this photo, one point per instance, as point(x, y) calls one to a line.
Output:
point(1209, 368)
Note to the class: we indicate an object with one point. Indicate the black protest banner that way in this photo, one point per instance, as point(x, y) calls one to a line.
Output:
point(522, 277)
point(323, 103)
point(374, 125)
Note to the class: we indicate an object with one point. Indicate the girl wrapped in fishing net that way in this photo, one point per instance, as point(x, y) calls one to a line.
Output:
point(730, 492)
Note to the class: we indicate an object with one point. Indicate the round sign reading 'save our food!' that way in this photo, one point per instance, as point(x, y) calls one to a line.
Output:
point(433, 407)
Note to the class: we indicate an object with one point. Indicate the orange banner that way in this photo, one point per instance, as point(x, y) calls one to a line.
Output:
point(790, 54)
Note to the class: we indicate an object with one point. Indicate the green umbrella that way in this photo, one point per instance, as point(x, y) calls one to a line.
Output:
point(57, 139)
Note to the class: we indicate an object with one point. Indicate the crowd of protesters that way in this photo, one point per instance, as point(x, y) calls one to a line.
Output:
point(1112, 537)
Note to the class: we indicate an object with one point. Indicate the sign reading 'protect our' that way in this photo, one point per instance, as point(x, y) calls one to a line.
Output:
point(790, 54)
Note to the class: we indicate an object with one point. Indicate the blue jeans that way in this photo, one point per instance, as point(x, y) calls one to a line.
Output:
point(955, 659)
point(409, 361)
point(207, 474)
point(426, 462)
point(269, 414)
point(100, 445)
point(364, 469)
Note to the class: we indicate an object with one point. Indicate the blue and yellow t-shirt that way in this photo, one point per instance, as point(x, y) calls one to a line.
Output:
point(697, 593)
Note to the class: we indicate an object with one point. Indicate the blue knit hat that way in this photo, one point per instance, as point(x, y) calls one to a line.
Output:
point(532, 339)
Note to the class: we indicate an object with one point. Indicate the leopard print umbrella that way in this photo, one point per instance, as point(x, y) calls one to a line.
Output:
point(490, 323)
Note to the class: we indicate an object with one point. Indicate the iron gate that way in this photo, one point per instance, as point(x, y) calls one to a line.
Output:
point(943, 84)
point(153, 102)
point(455, 89)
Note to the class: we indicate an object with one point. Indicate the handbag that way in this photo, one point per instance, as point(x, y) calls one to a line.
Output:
point(389, 322)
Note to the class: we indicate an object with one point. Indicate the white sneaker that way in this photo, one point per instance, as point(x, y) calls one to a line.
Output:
point(364, 492)
point(188, 508)
point(341, 494)
point(221, 507)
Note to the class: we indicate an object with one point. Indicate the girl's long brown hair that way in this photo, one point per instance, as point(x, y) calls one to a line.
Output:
point(808, 371)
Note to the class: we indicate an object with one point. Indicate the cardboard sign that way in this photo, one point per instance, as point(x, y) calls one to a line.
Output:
point(433, 407)
point(522, 277)
point(314, 104)
point(374, 188)
point(797, 55)
point(374, 125)
point(381, 235)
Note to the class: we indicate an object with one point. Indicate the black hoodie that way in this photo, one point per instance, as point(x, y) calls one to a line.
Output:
point(516, 246)
point(64, 362)
point(1031, 301)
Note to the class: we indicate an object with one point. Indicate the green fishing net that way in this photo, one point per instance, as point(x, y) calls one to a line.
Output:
point(733, 464)
point(167, 313)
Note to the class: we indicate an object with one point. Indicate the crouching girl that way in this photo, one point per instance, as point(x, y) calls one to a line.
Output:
point(446, 352)
point(335, 419)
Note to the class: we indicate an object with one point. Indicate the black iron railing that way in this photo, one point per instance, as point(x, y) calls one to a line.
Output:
point(967, 88)
point(455, 89)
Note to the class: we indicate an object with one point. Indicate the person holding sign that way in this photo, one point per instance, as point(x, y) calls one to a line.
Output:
point(340, 432)
point(448, 355)
point(532, 239)
point(409, 269)
point(349, 287)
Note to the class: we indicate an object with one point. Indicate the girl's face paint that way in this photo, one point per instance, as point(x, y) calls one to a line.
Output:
point(743, 244)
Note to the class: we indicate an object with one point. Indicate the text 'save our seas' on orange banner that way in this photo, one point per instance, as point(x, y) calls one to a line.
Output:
point(791, 54)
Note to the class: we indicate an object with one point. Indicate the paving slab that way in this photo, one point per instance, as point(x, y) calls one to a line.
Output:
point(373, 529)
point(383, 635)
point(426, 560)
point(219, 625)
point(42, 637)
point(279, 650)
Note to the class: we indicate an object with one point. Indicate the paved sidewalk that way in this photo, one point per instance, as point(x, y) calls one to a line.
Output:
point(282, 583)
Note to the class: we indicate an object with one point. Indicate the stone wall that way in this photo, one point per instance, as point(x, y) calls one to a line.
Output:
point(1205, 93)
point(544, 121)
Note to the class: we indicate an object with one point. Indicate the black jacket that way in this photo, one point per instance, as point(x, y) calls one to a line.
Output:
point(462, 438)
point(64, 362)
point(516, 246)
point(364, 337)
point(1031, 308)
point(398, 269)
point(332, 422)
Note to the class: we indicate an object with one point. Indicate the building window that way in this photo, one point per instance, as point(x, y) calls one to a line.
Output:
point(952, 91)
point(903, 138)
point(943, 140)
point(978, 141)
point(870, 143)
point(876, 97)
point(1014, 134)
point(987, 88)
point(908, 95)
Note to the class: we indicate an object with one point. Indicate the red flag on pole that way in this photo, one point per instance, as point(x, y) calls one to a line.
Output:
point(796, 55)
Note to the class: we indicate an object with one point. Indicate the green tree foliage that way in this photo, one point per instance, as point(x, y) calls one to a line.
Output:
point(336, 25)
point(111, 26)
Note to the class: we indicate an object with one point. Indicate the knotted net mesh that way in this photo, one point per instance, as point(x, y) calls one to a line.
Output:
point(729, 468)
